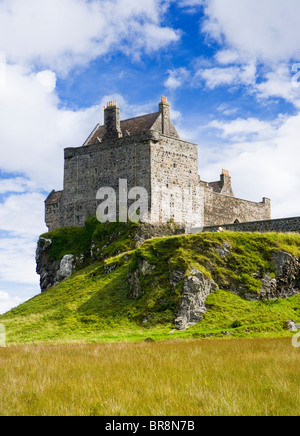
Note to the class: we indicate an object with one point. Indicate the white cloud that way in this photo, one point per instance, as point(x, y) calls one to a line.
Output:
point(18, 261)
point(176, 78)
point(261, 29)
point(8, 302)
point(226, 110)
point(263, 159)
point(279, 83)
point(63, 33)
point(16, 184)
point(228, 76)
point(225, 57)
point(242, 129)
point(253, 32)
point(34, 129)
point(21, 222)
point(47, 79)
point(23, 215)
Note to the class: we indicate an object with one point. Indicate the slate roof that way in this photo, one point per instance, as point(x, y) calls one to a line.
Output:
point(54, 197)
point(130, 127)
point(216, 186)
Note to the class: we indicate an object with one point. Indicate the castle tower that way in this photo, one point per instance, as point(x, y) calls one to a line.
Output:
point(112, 124)
point(146, 152)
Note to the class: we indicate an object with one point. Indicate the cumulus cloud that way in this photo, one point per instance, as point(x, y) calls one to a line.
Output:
point(7, 302)
point(263, 159)
point(262, 29)
point(63, 33)
point(177, 78)
point(34, 129)
point(242, 129)
point(218, 76)
point(16, 184)
point(22, 214)
point(279, 83)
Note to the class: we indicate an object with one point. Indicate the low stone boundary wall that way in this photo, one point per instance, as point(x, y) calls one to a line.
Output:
point(284, 225)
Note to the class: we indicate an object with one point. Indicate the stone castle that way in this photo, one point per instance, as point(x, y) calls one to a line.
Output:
point(147, 152)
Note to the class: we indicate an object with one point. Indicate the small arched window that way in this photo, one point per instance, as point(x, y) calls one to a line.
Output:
point(236, 221)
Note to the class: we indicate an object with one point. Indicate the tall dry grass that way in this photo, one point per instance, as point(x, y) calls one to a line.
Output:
point(234, 377)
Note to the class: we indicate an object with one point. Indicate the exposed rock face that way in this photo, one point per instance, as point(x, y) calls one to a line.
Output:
point(292, 326)
point(52, 271)
point(176, 277)
point(269, 288)
point(134, 281)
point(196, 289)
point(67, 265)
point(287, 281)
point(224, 250)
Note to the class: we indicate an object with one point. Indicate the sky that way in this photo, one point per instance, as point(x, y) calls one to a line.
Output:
point(230, 70)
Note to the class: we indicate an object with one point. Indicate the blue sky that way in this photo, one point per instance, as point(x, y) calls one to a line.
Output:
point(228, 68)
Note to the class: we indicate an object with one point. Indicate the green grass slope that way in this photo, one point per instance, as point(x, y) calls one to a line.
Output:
point(95, 304)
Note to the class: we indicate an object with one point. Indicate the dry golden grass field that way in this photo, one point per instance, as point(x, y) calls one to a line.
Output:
point(176, 378)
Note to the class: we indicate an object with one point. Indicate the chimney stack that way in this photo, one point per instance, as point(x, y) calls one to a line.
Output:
point(164, 109)
point(226, 183)
point(112, 122)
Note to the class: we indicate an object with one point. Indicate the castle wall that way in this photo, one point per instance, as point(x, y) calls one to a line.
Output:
point(176, 191)
point(87, 169)
point(284, 225)
point(52, 216)
point(146, 152)
point(221, 209)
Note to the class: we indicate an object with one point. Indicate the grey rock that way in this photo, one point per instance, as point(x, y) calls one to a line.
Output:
point(269, 288)
point(66, 269)
point(110, 268)
point(51, 271)
point(135, 285)
point(287, 270)
point(144, 269)
point(224, 250)
point(287, 281)
point(291, 325)
point(197, 287)
point(45, 266)
point(176, 277)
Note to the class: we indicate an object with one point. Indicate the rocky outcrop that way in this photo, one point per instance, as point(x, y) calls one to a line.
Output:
point(52, 271)
point(287, 277)
point(134, 278)
point(196, 288)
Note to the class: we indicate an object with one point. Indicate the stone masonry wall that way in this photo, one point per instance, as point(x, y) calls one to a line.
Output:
point(52, 216)
point(221, 209)
point(87, 169)
point(284, 225)
point(176, 190)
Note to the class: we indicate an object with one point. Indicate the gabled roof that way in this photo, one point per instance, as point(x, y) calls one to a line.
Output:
point(216, 186)
point(129, 127)
point(54, 197)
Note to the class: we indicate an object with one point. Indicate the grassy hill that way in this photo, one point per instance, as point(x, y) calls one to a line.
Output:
point(96, 303)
